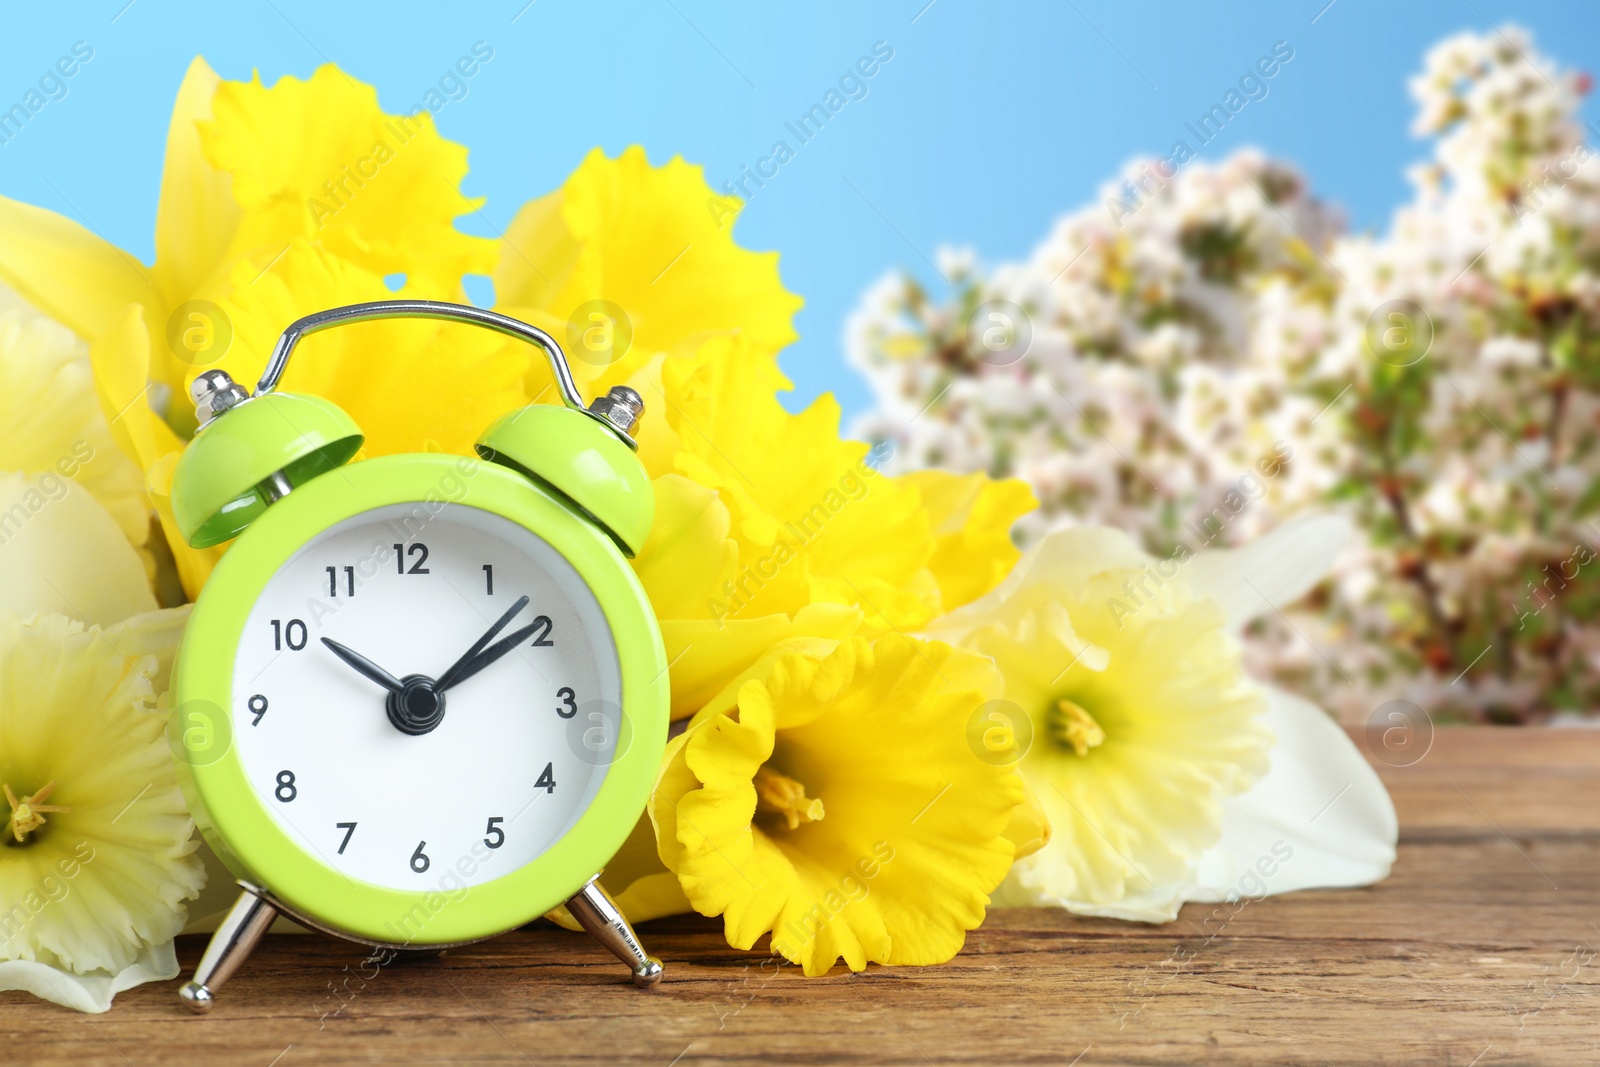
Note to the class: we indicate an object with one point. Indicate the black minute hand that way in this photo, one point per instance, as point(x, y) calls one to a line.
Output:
point(459, 669)
point(364, 665)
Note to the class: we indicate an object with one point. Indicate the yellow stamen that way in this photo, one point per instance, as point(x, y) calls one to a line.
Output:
point(27, 814)
point(1071, 725)
point(778, 794)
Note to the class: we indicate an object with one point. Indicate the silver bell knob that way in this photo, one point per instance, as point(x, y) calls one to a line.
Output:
point(214, 392)
point(621, 407)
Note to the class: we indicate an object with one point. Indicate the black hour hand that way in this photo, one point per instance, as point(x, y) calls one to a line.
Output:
point(364, 666)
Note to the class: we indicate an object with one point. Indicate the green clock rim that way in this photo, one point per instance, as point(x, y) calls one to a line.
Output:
point(233, 815)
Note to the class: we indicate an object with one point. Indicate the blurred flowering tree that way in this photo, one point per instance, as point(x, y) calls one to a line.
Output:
point(1205, 352)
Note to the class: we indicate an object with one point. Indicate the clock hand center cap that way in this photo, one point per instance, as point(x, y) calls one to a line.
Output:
point(417, 707)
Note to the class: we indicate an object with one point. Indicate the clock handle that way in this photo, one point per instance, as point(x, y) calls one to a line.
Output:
point(618, 411)
point(234, 940)
point(601, 920)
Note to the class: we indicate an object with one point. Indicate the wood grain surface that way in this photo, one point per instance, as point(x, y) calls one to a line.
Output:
point(1482, 948)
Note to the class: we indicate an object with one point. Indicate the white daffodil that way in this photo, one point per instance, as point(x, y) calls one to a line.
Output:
point(53, 428)
point(97, 851)
point(1165, 772)
point(97, 855)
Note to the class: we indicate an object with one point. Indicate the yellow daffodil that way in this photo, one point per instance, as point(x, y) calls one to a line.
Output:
point(275, 202)
point(320, 161)
point(653, 243)
point(769, 526)
point(121, 359)
point(250, 172)
point(1165, 772)
point(794, 488)
point(971, 517)
point(829, 797)
point(97, 856)
point(278, 201)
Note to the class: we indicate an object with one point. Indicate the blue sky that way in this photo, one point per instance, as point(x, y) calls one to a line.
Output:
point(989, 121)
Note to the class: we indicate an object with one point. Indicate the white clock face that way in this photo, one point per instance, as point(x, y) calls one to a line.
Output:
point(384, 788)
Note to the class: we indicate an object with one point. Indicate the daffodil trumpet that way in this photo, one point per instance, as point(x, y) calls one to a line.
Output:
point(828, 798)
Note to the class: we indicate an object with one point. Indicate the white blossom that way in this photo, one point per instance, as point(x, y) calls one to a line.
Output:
point(1209, 353)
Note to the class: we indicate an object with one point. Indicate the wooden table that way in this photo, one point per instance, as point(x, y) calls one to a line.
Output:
point(1483, 948)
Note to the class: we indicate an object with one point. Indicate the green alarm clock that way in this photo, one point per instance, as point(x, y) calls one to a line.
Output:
point(422, 700)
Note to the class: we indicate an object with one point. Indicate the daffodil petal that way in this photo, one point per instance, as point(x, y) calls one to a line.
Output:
point(91, 992)
point(828, 528)
point(121, 362)
point(656, 242)
point(654, 896)
point(320, 160)
point(197, 215)
point(193, 564)
point(712, 822)
point(675, 780)
point(411, 385)
point(688, 554)
point(971, 516)
point(66, 271)
point(1320, 818)
point(1029, 828)
point(1272, 571)
point(64, 553)
point(120, 358)
point(938, 813)
point(1067, 558)
point(156, 634)
point(1154, 903)
point(538, 226)
point(637, 882)
point(51, 424)
point(706, 655)
point(658, 441)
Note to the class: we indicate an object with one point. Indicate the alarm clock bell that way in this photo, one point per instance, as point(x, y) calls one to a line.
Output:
point(251, 450)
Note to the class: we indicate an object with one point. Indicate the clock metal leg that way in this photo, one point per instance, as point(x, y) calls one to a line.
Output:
point(233, 941)
point(600, 918)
